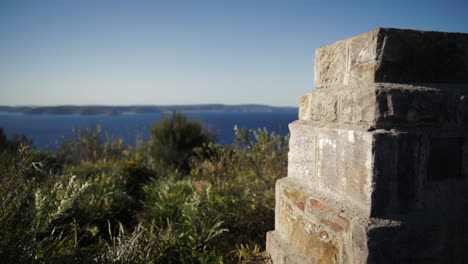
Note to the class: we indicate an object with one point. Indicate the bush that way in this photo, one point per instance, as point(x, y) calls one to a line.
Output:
point(33, 219)
point(241, 180)
point(12, 145)
point(14, 155)
point(174, 139)
point(90, 144)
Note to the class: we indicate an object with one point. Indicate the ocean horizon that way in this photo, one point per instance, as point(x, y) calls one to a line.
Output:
point(48, 131)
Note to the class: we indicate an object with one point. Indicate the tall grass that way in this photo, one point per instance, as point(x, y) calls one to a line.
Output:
point(96, 201)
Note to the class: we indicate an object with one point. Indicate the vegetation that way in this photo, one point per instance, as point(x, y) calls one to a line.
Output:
point(174, 139)
point(178, 198)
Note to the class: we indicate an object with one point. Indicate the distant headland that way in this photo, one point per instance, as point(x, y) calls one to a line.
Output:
point(139, 109)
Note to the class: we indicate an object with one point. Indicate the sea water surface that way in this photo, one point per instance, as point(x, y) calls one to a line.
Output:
point(48, 131)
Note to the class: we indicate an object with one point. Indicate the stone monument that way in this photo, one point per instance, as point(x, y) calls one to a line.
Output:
point(378, 160)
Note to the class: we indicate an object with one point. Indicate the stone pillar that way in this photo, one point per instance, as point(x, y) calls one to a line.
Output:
point(378, 160)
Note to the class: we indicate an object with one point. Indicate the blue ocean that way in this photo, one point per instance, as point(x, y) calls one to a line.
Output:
point(48, 131)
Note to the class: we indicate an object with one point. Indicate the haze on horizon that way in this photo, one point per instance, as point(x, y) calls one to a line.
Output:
point(112, 52)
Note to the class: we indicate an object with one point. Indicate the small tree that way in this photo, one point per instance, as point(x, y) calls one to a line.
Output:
point(14, 143)
point(174, 138)
point(89, 144)
point(3, 139)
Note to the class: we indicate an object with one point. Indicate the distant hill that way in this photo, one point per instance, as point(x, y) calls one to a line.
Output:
point(136, 109)
point(225, 108)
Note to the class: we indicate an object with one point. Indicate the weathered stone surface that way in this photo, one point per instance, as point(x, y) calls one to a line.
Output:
point(313, 205)
point(397, 174)
point(331, 217)
point(312, 242)
point(414, 56)
point(387, 241)
point(389, 105)
point(393, 56)
point(379, 171)
point(327, 232)
point(358, 239)
point(334, 161)
point(437, 237)
point(378, 160)
point(296, 197)
point(323, 108)
point(301, 156)
point(413, 107)
point(314, 229)
point(348, 107)
point(347, 62)
point(304, 107)
point(344, 165)
point(280, 252)
point(461, 105)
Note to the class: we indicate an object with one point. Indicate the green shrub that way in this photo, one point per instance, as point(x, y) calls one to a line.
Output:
point(114, 196)
point(241, 181)
point(174, 138)
point(107, 196)
point(172, 229)
point(12, 145)
point(90, 144)
point(33, 218)
point(14, 155)
point(17, 215)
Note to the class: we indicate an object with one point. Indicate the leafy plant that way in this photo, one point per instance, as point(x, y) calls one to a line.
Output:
point(174, 138)
point(90, 144)
point(31, 215)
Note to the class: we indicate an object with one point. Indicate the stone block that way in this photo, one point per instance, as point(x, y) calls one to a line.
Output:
point(365, 107)
point(387, 241)
point(398, 159)
point(461, 102)
point(297, 198)
point(325, 231)
point(314, 230)
point(328, 232)
point(344, 164)
point(347, 104)
point(334, 161)
point(437, 237)
point(301, 156)
point(358, 236)
point(347, 62)
point(323, 107)
point(356, 106)
point(280, 252)
point(465, 158)
point(328, 215)
point(304, 107)
point(413, 107)
point(313, 243)
point(346, 107)
point(389, 106)
point(379, 172)
point(379, 241)
point(393, 56)
point(414, 56)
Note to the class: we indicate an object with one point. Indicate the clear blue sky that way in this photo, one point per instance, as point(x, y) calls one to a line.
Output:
point(186, 52)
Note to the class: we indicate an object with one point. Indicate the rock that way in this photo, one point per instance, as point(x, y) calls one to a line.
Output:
point(378, 160)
